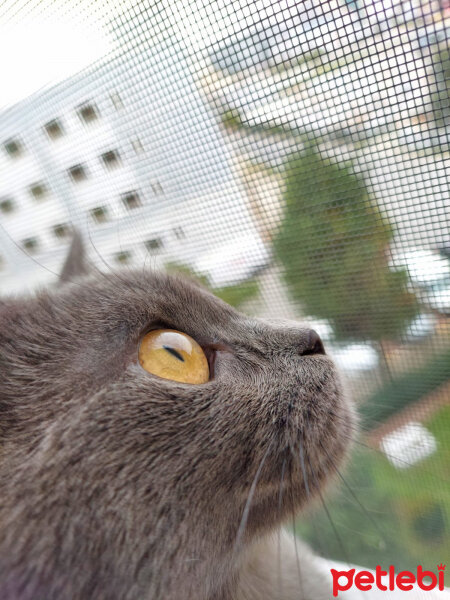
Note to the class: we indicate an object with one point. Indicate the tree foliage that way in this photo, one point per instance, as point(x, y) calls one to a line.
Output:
point(333, 243)
point(441, 97)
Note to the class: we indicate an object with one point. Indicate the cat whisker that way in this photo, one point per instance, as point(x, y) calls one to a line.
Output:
point(358, 430)
point(244, 518)
point(308, 491)
point(397, 459)
point(114, 273)
point(107, 265)
point(144, 267)
point(359, 442)
point(302, 464)
point(280, 500)
point(32, 258)
point(297, 557)
point(352, 493)
point(41, 265)
point(192, 559)
point(329, 517)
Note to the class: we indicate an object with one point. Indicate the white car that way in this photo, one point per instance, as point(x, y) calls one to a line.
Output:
point(438, 296)
point(429, 276)
point(354, 358)
point(420, 327)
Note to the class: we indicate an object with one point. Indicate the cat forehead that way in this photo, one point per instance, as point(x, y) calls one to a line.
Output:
point(126, 303)
point(135, 297)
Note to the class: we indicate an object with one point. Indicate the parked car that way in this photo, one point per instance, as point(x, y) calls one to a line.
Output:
point(350, 357)
point(429, 276)
point(420, 327)
point(354, 358)
point(438, 296)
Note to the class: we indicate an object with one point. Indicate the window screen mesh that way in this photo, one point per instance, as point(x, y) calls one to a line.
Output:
point(293, 154)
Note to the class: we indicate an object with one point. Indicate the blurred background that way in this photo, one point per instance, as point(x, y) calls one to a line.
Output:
point(292, 155)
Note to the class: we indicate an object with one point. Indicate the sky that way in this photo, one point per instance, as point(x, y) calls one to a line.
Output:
point(42, 42)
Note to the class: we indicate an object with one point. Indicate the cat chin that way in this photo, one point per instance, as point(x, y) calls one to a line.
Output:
point(297, 476)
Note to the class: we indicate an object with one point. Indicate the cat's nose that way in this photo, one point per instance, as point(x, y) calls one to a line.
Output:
point(313, 344)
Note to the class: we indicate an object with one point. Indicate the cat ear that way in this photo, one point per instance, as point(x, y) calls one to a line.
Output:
point(75, 264)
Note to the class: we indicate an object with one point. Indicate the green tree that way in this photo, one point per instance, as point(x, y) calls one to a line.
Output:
point(333, 243)
point(441, 97)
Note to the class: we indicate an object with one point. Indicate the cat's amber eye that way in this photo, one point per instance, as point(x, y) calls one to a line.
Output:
point(173, 355)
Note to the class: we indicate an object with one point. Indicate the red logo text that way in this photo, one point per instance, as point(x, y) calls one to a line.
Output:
point(387, 580)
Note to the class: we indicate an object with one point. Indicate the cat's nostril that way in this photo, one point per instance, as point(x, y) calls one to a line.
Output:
point(314, 344)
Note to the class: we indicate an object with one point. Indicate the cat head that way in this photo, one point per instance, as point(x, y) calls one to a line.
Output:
point(114, 478)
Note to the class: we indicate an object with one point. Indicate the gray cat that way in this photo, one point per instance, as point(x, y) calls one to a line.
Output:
point(121, 481)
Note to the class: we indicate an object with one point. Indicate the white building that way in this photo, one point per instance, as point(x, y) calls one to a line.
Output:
point(129, 153)
point(358, 83)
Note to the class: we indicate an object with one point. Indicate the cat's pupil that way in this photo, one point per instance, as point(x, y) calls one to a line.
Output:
point(174, 352)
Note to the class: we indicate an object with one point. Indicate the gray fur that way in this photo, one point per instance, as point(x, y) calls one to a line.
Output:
point(118, 485)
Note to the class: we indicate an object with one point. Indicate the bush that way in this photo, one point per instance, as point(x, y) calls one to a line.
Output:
point(235, 295)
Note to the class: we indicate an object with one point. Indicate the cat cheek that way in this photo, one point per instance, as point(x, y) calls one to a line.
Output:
point(225, 365)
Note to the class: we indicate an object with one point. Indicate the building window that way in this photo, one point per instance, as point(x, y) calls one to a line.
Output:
point(88, 112)
point(137, 146)
point(77, 173)
point(123, 258)
point(13, 147)
point(111, 159)
point(6, 206)
point(30, 244)
point(131, 200)
point(38, 191)
point(154, 245)
point(157, 188)
point(179, 233)
point(54, 129)
point(117, 101)
point(99, 214)
point(61, 231)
